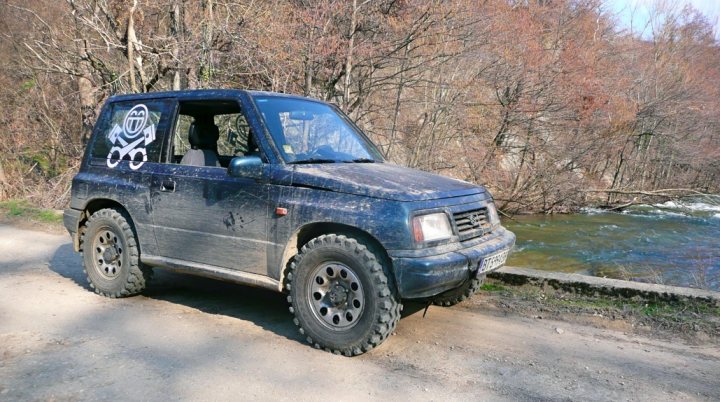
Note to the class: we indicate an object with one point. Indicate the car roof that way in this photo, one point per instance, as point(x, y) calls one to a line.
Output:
point(198, 94)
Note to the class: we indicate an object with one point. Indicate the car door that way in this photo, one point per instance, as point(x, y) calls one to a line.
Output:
point(203, 215)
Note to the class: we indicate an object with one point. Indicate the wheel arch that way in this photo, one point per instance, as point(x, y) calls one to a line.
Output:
point(101, 203)
point(312, 230)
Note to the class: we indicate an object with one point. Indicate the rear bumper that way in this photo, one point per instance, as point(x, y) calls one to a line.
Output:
point(419, 277)
point(71, 220)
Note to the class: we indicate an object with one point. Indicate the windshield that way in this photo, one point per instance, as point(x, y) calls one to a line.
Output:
point(312, 132)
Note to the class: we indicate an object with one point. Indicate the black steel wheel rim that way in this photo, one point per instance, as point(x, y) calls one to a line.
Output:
point(336, 296)
point(108, 252)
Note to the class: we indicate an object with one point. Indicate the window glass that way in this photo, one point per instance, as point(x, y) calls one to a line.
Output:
point(233, 130)
point(132, 133)
point(307, 131)
point(324, 130)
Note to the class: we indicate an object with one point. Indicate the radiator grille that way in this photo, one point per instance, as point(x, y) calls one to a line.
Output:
point(472, 223)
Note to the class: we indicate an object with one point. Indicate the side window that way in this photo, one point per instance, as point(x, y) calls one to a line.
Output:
point(234, 132)
point(218, 127)
point(131, 133)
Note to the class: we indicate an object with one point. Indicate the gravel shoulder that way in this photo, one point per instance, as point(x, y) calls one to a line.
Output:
point(194, 338)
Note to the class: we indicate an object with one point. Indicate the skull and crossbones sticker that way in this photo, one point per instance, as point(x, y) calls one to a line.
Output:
point(131, 138)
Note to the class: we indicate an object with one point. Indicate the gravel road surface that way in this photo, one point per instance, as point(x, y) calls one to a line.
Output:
point(197, 339)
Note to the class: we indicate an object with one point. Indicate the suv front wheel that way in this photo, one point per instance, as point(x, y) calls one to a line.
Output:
point(111, 255)
point(340, 295)
point(464, 291)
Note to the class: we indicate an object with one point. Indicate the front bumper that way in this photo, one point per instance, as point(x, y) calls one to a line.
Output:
point(425, 276)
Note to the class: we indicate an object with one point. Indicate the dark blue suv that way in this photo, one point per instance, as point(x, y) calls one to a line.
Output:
point(281, 192)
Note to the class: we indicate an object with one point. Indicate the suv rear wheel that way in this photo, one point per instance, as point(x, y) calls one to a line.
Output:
point(340, 295)
point(111, 255)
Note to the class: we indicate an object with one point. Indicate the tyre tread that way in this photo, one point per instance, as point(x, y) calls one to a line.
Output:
point(462, 293)
point(140, 274)
point(389, 304)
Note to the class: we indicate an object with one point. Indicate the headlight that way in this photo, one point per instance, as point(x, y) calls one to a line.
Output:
point(493, 217)
point(431, 227)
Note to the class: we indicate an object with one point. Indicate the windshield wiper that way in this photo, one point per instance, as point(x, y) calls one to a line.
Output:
point(361, 160)
point(312, 160)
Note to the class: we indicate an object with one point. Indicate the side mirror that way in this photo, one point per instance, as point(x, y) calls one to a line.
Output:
point(250, 167)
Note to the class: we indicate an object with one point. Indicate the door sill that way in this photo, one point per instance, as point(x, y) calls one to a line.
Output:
point(211, 271)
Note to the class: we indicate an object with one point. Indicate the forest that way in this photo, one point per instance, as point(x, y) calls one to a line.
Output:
point(551, 104)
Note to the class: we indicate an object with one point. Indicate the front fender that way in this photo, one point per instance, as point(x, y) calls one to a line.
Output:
point(387, 221)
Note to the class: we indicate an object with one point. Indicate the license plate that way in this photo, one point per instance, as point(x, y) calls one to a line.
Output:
point(493, 261)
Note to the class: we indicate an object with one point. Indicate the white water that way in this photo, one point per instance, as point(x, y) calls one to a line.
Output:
point(705, 208)
point(680, 208)
point(690, 206)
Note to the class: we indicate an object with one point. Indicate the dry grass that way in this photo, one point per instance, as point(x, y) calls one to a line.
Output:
point(22, 210)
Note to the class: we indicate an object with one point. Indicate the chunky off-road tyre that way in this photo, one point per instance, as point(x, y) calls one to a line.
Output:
point(455, 296)
point(111, 256)
point(341, 295)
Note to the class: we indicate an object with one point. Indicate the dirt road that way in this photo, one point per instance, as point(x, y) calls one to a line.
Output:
point(197, 339)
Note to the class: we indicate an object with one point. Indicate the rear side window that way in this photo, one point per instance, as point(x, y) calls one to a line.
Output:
point(132, 132)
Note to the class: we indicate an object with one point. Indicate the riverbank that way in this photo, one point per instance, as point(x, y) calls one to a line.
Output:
point(664, 311)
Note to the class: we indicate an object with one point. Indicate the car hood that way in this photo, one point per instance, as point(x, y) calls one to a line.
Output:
point(381, 180)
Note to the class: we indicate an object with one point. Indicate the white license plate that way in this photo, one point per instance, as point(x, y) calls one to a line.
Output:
point(493, 261)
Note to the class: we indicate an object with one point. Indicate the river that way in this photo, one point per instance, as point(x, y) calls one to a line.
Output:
point(674, 243)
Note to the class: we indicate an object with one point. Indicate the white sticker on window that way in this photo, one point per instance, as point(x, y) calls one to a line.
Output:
point(133, 144)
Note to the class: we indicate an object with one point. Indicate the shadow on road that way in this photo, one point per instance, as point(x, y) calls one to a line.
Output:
point(264, 308)
point(68, 264)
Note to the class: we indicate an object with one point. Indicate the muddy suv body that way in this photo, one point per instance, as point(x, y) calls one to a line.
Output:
point(281, 192)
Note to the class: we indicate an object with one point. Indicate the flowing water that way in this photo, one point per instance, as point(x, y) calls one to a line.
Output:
point(675, 243)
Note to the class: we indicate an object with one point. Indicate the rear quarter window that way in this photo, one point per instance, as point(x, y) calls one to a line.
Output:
point(133, 132)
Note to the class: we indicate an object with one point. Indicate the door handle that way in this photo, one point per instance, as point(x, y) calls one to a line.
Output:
point(168, 185)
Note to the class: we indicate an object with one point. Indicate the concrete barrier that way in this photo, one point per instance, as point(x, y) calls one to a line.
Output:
point(591, 285)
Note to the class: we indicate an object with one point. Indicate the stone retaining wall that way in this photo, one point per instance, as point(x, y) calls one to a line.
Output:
point(591, 285)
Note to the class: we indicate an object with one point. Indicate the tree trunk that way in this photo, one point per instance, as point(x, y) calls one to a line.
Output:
point(206, 69)
point(131, 39)
point(398, 95)
point(86, 91)
point(175, 30)
point(192, 78)
point(618, 169)
point(3, 183)
point(349, 57)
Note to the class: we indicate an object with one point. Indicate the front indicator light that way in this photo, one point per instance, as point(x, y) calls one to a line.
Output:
point(493, 216)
